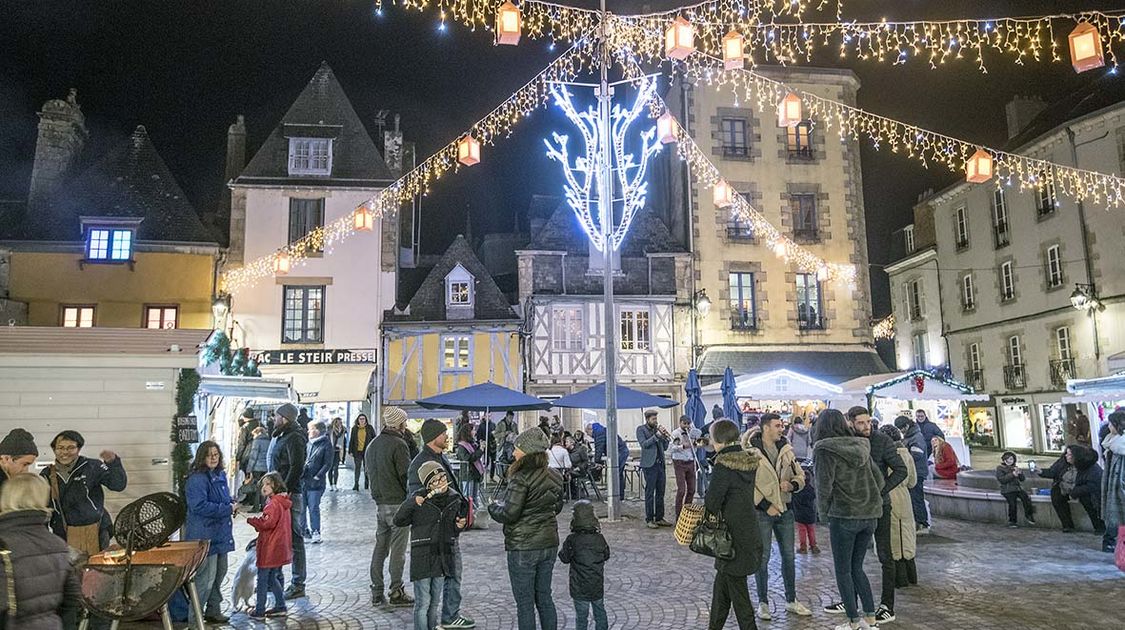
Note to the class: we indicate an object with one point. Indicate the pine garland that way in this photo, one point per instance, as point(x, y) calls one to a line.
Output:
point(187, 384)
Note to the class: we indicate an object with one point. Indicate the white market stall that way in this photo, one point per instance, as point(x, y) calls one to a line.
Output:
point(1101, 395)
point(783, 391)
point(900, 393)
point(225, 398)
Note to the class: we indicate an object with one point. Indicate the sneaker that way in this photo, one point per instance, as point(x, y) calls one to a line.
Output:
point(294, 592)
point(216, 618)
point(254, 614)
point(378, 599)
point(764, 612)
point(399, 599)
point(884, 615)
point(316, 539)
point(925, 530)
point(460, 622)
point(277, 612)
point(1013, 525)
point(1030, 520)
point(797, 608)
point(836, 608)
point(815, 549)
point(651, 525)
point(663, 523)
point(802, 549)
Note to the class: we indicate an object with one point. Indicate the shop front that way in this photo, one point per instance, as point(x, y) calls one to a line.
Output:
point(981, 428)
point(328, 383)
point(1035, 422)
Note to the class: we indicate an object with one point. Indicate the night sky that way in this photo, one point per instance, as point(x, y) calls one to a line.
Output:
point(185, 69)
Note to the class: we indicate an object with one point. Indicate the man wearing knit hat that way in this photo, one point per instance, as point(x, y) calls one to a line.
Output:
point(435, 440)
point(388, 461)
point(17, 453)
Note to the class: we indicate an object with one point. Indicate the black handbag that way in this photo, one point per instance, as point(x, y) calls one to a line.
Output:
point(712, 538)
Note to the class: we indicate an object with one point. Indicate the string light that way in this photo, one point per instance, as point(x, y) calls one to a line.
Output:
point(884, 328)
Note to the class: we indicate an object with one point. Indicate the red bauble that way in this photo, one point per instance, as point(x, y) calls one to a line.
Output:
point(919, 383)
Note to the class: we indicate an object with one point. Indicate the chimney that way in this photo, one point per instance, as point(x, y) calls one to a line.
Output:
point(392, 148)
point(62, 134)
point(1021, 110)
point(236, 161)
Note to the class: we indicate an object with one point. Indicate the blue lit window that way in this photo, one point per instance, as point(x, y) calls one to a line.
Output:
point(111, 245)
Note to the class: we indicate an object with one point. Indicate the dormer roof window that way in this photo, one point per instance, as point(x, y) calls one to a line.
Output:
point(109, 241)
point(459, 293)
point(310, 156)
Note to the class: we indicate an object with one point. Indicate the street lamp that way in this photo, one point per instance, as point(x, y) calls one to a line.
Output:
point(220, 307)
point(702, 302)
point(1084, 297)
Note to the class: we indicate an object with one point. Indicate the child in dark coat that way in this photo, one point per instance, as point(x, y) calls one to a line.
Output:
point(1011, 488)
point(586, 551)
point(275, 545)
point(804, 513)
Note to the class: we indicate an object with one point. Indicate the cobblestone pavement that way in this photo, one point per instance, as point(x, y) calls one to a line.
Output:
point(972, 576)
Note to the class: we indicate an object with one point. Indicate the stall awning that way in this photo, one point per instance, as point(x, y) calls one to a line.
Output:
point(1104, 388)
point(248, 387)
point(780, 384)
point(830, 366)
point(901, 386)
point(336, 386)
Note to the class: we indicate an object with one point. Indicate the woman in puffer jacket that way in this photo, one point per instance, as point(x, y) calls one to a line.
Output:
point(529, 512)
point(48, 595)
point(903, 531)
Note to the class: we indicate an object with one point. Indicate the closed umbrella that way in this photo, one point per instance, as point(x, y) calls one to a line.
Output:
point(694, 407)
point(730, 402)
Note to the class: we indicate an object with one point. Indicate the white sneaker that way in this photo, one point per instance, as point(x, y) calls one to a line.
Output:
point(797, 608)
point(316, 540)
point(764, 612)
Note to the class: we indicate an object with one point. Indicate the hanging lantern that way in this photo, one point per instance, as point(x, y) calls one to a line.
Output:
point(679, 39)
point(722, 194)
point(789, 112)
point(666, 128)
point(364, 219)
point(281, 263)
point(468, 150)
point(779, 248)
point(1086, 48)
point(822, 273)
point(979, 167)
point(733, 56)
point(508, 22)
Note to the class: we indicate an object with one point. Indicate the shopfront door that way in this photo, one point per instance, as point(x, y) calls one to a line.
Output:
point(1016, 423)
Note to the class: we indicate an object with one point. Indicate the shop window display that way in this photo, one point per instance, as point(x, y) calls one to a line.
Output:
point(1016, 422)
point(1054, 425)
point(981, 427)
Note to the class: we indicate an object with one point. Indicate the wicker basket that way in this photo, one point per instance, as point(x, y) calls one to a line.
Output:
point(688, 522)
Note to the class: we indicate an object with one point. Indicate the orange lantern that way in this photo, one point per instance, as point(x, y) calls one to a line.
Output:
point(789, 112)
point(679, 39)
point(722, 194)
point(666, 128)
point(1086, 48)
point(468, 150)
point(734, 57)
point(281, 263)
point(364, 219)
point(508, 23)
point(979, 167)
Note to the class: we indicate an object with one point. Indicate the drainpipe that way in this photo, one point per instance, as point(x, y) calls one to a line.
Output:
point(1089, 263)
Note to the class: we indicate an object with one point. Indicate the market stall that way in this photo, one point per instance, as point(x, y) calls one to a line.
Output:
point(781, 391)
point(1102, 396)
point(901, 393)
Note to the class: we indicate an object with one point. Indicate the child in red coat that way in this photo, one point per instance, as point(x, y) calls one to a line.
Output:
point(275, 545)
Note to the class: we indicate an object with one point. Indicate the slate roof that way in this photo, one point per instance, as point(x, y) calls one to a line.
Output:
point(647, 234)
point(1100, 93)
point(131, 181)
point(321, 111)
point(428, 303)
point(827, 365)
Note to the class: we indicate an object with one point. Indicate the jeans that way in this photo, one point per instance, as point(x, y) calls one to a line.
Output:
point(269, 580)
point(918, 503)
point(427, 601)
point(471, 490)
point(334, 469)
point(529, 571)
point(780, 526)
point(391, 540)
point(850, 537)
point(728, 591)
point(1061, 503)
point(1014, 499)
point(685, 483)
point(298, 516)
point(451, 590)
point(358, 459)
point(886, 558)
point(655, 480)
point(621, 480)
point(582, 609)
point(208, 585)
point(312, 504)
point(806, 535)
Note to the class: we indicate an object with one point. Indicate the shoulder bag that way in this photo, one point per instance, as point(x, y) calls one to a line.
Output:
point(712, 538)
point(84, 538)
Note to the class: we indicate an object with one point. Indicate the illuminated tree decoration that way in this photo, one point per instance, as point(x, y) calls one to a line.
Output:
point(281, 263)
point(722, 194)
point(468, 150)
point(979, 167)
point(666, 128)
point(364, 219)
point(1086, 48)
point(789, 112)
point(679, 39)
point(508, 24)
point(733, 55)
point(583, 175)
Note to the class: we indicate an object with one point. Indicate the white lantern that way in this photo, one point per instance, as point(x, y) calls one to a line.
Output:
point(734, 58)
point(508, 24)
point(822, 273)
point(789, 112)
point(679, 39)
point(281, 263)
point(666, 128)
point(722, 194)
point(979, 167)
point(468, 150)
point(779, 248)
point(1086, 48)
point(364, 219)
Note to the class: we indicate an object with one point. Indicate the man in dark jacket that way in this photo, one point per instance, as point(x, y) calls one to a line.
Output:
point(435, 439)
point(314, 479)
point(916, 444)
point(1077, 476)
point(76, 488)
point(246, 425)
point(929, 431)
point(654, 441)
point(287, 458)
point(387, 461)
point(17, 453)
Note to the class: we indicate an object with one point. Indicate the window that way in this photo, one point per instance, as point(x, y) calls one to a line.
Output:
point(974, 357)
point(459, 293)
point(808, 302)
point(918, 343)
point(162, 317)
point(739, 229)
point(78, 316)
point(798, 140)
point(1015, 354)
point(804, 215)
point(1054, 267)
point(302, 317)
point(305, 215)
point(1062, 368)
point(742, 312)
point(916, 299)
point(734, 137)
point(455, 353)
point(968, 293)
point(908, 236)
point(568, 330)
point(1062, 342)
point(1000, 228)
point(962, 223)
point(634, 330)
point(310, 156)
point(1007, 282)
point(974, 376)
point(1045, 199)
point(109, 244)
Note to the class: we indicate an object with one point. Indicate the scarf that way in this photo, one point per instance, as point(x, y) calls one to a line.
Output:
point(470, 449)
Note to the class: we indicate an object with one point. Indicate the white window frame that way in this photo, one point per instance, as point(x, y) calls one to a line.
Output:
point(460, 288)
point(109, 244)
point(918, 349)
point(310, 156)
point(307, 332)
point(974, 357)
point(77, 316)
point(162, 313)
point(453, 348)
point(1007, 282)
point(1000, 217)
point(1015, 354)
point(568, 328)
point(961, 223)
point(1054, 267)
point(908, 235)
point(917, 301)
point(1046, 199)
point(639, 337)
point(810, 285)
point(968, 293)
point(1062, 343)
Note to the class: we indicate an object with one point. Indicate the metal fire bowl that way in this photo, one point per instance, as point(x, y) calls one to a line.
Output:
point(155, 574)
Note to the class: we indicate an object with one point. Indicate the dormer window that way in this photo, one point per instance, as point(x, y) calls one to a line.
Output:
point(109, 244)
point(310, 156)
point(459, 293)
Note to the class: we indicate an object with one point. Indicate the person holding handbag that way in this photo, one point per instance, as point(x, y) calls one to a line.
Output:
point(77, 494)
point(730, 495)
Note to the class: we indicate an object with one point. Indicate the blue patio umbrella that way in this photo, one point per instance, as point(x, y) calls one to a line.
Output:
point(484, 397)
point(730, 403)
point(694, 407)
point(627, 398)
